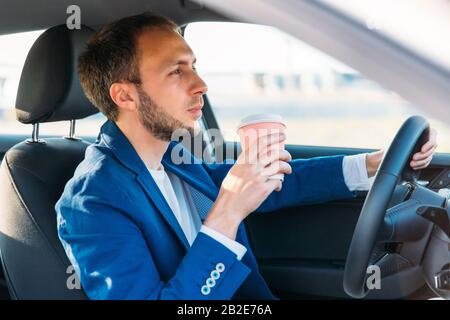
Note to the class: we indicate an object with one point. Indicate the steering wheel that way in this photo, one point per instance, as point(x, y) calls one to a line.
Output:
point(395, 165)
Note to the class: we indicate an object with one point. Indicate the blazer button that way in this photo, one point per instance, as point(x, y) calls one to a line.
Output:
point(220, 267)
point(215, 274)
point(210, 282)
point(205, 290)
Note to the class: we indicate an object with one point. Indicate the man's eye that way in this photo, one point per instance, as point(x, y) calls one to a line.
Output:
point(178, 71)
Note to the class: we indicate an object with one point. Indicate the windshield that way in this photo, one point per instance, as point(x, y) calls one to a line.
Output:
point(420, 25)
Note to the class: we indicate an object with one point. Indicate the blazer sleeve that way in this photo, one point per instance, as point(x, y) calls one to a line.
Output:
point(313, 180)
point(113, 261)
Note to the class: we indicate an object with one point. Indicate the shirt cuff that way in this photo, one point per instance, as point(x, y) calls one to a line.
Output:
point(355, 172)
point(234, 246)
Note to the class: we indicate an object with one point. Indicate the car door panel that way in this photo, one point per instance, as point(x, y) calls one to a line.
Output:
point(302, 251)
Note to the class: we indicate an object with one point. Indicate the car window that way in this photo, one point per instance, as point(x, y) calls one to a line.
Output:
point(257, 69)
point(14, 51)
point(415, 24)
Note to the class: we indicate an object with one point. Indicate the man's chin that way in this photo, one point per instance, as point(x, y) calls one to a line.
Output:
point(191, 129)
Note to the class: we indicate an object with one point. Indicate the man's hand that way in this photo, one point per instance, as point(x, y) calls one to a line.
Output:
point(247, 184)
point(419, 161)
point(423, 158)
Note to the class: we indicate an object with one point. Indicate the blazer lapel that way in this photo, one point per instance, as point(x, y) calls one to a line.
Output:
point(193, 174)
point(201, 188)
point(152, 190)
point(116, 141)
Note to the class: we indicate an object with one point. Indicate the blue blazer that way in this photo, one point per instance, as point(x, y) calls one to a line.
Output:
point(125, 243)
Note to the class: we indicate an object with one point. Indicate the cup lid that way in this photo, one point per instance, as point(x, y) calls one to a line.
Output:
point(262, 117)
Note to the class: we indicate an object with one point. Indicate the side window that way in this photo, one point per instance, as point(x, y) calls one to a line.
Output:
point(257, 69)
point(14, 51)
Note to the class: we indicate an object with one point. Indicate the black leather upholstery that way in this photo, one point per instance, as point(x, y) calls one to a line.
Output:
point(33, 175)
point(49, 89)
point(32, 178)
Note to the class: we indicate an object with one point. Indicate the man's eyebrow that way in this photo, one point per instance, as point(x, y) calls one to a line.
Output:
point(182, 61)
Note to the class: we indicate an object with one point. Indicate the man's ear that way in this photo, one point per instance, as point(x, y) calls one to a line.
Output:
point(124, 96)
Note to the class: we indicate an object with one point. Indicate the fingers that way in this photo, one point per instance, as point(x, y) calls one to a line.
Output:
point(422, 159)
point(274, 185)
point(421, 167)
point(422, 163)
point(424, 155)
point(274, 153)
point(276, 167)
point(432, 141)
point(262, 144)
point(417, 165)
point(426, 147)
point(269, 142)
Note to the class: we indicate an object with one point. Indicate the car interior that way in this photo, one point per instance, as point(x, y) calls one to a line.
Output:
point(314, 251)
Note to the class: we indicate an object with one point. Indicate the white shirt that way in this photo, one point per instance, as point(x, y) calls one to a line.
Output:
point(188, 222)
point(355, 177)
point(355, 172)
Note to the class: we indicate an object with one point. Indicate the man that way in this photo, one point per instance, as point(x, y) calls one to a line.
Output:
point(134, 224)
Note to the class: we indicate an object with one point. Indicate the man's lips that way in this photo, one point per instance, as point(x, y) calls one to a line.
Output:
point(196, 111)
point(196, 107)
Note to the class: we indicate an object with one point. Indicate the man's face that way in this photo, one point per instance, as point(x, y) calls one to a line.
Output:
point(171, 91)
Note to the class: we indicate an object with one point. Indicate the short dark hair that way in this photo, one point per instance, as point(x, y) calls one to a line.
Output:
point(111, 56)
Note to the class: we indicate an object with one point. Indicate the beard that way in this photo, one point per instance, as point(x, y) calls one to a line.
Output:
point(157, 121)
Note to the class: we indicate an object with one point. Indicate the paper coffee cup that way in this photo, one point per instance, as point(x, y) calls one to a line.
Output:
point(252, 127)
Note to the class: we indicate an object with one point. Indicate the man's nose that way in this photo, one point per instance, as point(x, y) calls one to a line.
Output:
point(199, 87)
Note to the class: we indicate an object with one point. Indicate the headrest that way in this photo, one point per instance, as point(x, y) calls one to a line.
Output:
point(49, 88)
